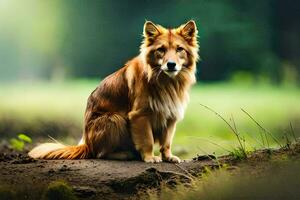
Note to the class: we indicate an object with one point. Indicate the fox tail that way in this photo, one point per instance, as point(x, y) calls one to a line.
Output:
point(59, 151)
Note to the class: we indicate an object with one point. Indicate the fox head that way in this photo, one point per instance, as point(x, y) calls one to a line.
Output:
point(171, 51)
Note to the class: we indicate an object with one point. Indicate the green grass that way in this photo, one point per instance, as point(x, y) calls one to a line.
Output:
point(278, 181)
point(273, 107)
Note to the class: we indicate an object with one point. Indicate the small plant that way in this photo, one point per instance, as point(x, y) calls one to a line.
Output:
point(240, 152)
point(59, 190)
point(19, 142)
point(292, 132)
point(264, 130)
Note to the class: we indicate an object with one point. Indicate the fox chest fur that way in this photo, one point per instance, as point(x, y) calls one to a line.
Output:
point(161, 101)
point(166, 105)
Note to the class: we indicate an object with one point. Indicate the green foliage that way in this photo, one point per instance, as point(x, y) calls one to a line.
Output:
point(239, 153)
point(242, 78)
point(19, 143)
point(234, 36)
point(59, 190)
point(24, 138)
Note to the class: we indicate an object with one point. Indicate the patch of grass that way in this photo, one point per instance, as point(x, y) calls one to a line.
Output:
point(224, 185)
point(239, 152)
point(264, 130)
point(59, 190)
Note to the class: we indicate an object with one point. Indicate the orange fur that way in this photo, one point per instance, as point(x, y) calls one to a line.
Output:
point(139, 104)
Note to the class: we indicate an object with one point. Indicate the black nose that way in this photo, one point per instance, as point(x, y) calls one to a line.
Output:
point(171, 66)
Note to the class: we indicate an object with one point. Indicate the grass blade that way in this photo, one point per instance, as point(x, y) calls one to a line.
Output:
point(262, 128)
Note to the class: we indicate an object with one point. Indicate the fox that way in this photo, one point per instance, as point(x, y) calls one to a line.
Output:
point(140, 104)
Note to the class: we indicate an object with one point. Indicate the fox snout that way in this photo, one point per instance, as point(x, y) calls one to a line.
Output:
point(171, 68)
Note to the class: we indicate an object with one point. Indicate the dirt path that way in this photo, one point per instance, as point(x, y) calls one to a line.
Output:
point(106, 179)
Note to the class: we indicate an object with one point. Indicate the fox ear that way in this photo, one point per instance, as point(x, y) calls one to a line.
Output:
point(150, 30)
point(189, 30)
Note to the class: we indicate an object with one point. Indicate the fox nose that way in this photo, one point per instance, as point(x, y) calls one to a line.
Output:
point(171, 66)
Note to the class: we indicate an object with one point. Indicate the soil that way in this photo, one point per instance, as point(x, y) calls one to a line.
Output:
point(108, 179)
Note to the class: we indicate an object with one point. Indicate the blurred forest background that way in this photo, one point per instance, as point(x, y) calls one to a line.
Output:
point(54, 53)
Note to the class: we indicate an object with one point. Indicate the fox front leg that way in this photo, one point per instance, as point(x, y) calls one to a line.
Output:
point(142, 137)
point(166, 142)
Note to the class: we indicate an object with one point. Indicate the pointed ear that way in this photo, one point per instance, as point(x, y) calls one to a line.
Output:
point(189, 31)
point(150, 30)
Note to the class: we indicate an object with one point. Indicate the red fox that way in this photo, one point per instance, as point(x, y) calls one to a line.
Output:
point(139, 104)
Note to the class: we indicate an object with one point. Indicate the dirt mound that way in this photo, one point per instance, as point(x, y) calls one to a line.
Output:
point(107, 179)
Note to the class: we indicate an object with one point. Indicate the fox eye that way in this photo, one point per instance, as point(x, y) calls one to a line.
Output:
point(161, 50)
point(179, 49)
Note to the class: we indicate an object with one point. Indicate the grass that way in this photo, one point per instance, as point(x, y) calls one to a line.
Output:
point(245, 184)
point(274, 107)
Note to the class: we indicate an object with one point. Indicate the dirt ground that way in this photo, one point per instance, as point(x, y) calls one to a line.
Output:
point(107, 179)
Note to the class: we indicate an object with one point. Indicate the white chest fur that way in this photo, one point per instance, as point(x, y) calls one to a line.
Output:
point(167, 105)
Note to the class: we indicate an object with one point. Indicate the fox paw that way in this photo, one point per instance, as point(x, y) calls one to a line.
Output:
point(152, 159)
point(172, 159)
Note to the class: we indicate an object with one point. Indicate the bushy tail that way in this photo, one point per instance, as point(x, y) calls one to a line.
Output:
point(59, 151)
